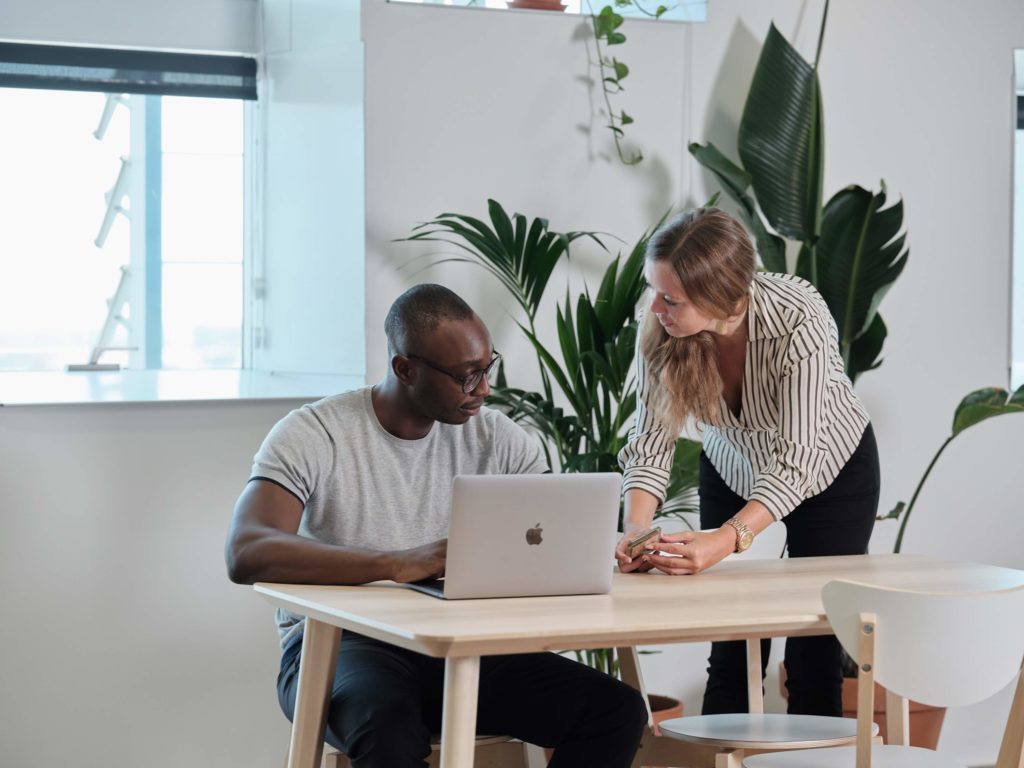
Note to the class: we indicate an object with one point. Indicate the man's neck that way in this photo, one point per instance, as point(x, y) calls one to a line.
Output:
point(395, 413)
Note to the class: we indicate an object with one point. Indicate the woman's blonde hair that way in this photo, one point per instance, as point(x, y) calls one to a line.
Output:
point(713, 257)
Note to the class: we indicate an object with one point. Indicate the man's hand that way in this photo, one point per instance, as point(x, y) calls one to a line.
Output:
point(691, 552)
point(425, 562)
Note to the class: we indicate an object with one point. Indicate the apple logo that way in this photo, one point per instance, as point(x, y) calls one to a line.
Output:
point(533, 535)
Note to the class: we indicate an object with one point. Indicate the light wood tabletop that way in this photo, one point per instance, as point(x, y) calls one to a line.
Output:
point(737, 599)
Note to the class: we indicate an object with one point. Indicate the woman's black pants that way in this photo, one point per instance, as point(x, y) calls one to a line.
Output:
point(837, 521)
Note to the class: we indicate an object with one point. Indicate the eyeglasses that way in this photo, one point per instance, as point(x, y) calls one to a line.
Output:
point(471, 380)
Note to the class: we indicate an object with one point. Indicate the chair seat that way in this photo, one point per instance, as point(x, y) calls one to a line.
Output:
point(888, 756)
point(771, 731)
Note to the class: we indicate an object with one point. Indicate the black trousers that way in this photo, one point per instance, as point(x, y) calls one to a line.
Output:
point(386, 702)
point(837, 521)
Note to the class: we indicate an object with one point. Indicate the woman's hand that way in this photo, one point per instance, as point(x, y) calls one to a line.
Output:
point(690, 552)
point(627, 565)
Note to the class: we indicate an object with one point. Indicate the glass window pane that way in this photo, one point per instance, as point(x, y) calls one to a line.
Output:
point(202, 207)
point(202, 315)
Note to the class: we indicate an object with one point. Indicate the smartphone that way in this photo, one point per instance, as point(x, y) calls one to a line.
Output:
point(639, 543)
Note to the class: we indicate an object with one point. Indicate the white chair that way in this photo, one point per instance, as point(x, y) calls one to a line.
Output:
point(734, 736)
point(490, 752)
point(941, 649)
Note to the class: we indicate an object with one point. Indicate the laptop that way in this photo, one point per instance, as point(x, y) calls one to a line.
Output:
point(530, 535)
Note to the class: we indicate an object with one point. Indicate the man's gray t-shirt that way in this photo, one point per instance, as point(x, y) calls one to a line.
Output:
point(363, 487)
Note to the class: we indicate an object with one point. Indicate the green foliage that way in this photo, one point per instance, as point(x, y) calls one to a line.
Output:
point(976, 407)
point(606, 24)
point(851, 248)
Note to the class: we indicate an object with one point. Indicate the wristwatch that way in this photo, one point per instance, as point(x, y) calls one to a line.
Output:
point(744, 536)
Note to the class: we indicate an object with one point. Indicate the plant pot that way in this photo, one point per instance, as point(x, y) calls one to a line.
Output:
point(925, 720)
point(662, 708)
point(537, 5)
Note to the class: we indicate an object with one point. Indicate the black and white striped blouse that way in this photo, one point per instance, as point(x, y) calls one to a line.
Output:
point(799, 422)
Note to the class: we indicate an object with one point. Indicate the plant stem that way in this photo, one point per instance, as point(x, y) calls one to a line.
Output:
point(906, 512)
point(821, 35)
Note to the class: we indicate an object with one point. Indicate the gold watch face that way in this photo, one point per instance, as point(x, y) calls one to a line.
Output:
point(746, 538)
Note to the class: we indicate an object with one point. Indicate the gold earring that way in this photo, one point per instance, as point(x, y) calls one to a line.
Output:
point(720, 326)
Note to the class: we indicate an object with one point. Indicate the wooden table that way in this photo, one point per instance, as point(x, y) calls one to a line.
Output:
point(737, 599)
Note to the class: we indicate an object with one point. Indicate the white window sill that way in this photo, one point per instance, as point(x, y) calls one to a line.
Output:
point(59, 387)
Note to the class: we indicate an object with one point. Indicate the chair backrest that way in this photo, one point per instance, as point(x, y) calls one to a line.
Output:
point(940, 649)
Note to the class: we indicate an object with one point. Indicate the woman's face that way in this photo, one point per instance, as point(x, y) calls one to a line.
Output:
point(669, 303)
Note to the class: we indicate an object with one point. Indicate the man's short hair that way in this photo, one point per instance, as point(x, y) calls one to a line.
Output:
point(419, 311)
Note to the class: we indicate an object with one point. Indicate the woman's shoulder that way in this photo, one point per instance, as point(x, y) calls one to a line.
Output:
point(791, 295)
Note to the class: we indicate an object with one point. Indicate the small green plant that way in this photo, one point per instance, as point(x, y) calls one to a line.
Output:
point(979, 405)
point(607, 25)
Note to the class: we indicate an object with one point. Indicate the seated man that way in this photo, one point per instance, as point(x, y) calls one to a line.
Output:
point(356, 488)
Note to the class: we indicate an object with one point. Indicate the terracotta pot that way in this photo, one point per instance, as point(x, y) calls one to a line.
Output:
point(664, 708)
point(925, 720)
point(537, 5)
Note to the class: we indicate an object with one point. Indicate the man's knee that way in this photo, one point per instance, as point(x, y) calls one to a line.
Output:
point(379, 730)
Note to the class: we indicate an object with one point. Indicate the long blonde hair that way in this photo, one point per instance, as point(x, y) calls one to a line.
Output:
point(713, 257)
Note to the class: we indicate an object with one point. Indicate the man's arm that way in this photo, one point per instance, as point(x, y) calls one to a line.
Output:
point(263, 545)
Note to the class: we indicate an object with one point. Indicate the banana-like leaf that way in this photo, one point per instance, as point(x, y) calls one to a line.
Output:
point(735, 181)
point(860, 254)
point(984, 404)
point(780, 139)
point(866, 349)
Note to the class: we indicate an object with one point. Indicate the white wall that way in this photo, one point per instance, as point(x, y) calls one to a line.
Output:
point(124, 644)
point(208, 26)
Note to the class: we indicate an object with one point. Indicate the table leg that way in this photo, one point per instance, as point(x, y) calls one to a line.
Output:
point(317, 662)
point(458, 723)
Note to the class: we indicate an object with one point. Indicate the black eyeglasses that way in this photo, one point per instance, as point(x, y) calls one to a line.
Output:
point(470, 381)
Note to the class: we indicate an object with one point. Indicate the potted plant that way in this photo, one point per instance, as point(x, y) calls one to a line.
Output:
point(591, 370)
point(851, 248)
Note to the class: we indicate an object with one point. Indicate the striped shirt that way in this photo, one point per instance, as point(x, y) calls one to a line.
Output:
point(799, 421)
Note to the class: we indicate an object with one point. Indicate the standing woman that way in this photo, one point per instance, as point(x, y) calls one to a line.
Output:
point(753, 359)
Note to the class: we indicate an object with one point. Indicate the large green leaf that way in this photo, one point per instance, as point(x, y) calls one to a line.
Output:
point(985, 403)
point(866, 349)
point(780, 139)
point(735, 181)
point(860, 255)
point(521, 255)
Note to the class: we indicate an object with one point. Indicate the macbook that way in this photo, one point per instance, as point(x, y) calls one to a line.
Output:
point(530, 535)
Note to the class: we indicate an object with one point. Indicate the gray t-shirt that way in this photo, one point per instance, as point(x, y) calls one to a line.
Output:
point(363, 487)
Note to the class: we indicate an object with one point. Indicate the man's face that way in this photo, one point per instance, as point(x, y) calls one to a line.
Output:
point(458, 347)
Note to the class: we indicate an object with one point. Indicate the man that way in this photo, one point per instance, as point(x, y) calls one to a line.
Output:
point(356, 488)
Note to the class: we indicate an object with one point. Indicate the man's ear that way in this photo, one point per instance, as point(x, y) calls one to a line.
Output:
point(403, 368)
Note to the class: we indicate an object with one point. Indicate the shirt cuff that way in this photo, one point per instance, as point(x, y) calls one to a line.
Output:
point(776, 495)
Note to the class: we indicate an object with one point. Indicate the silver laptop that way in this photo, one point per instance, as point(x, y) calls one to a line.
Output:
point(530, 535)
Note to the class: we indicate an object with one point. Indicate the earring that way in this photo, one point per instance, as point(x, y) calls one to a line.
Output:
point(720, 326)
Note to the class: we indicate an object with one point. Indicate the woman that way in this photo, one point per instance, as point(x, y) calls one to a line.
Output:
point(753, 359)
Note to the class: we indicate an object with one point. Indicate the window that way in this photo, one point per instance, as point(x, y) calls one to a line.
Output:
point(681, 10)
point(122, 230)
point(121, 211)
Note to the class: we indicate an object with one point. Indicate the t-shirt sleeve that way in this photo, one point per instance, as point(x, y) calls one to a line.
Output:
point(521, 453)
point(295, 454)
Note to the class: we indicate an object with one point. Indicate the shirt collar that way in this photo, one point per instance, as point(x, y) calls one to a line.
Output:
point(763, 320)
